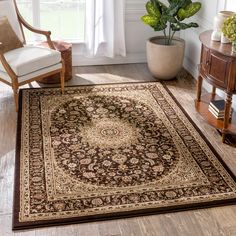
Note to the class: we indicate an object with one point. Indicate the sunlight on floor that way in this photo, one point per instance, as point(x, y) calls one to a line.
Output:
point(99, 77)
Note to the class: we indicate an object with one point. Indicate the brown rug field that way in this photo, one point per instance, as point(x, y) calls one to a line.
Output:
point(111, 151)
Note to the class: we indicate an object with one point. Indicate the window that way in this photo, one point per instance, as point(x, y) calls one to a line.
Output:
point(64, 18)
point(230, 5)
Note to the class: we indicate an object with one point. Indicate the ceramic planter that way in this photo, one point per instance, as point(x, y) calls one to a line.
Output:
point(165, 61)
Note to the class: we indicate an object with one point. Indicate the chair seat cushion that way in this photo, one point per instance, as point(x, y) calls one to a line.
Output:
point(25, 78)
point(28, 59)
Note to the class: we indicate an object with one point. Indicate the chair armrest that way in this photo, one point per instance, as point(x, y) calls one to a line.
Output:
point(5, 64)
point(34, 30)
point(38, 31)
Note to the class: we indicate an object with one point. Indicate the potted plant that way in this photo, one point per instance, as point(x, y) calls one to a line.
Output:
point(165, 53)
point(229, 31)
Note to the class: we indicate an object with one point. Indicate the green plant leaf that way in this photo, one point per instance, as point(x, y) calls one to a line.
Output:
point(156, 5)
point(187, 2)
point(175, 5)
point(159, 15)
point(161, 6)
point(188, 11)
point(171, 19)
point(159, 28)
point(183, 26)
point(173, 1)
point(150, 20)
point(153, 10)
point(182, 4)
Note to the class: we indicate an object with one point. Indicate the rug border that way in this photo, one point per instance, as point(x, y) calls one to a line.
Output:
point(16, 225)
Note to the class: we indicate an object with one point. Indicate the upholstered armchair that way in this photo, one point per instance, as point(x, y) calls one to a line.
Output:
point(26, 63)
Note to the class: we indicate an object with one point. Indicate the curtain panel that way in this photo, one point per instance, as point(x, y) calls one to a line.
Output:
point(104, 28)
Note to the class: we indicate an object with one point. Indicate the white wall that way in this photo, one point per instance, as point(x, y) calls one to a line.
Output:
point(136, 35)
point(231, 5)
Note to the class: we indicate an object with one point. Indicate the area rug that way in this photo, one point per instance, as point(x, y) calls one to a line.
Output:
point(111, 151)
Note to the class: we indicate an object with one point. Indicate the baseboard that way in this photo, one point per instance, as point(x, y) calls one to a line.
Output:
point(79, 60)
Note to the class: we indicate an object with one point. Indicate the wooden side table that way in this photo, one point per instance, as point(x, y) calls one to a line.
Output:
point(218, 68)
point(66, 52)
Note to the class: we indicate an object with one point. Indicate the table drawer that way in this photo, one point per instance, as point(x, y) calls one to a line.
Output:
point(218, 69)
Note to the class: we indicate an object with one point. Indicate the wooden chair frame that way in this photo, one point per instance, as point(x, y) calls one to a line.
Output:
point(14, 78)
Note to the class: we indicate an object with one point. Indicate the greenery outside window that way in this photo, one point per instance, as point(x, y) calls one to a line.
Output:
point(64, 18)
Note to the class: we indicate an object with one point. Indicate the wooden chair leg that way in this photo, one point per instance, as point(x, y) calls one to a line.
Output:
point(16, 98)
point(62, 76)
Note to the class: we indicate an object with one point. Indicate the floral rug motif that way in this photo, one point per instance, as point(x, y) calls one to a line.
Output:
point(110, 151)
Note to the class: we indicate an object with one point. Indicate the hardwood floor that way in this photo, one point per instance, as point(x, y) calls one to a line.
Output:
point(213, 221)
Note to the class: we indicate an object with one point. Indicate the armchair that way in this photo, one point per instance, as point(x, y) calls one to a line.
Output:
point(28, 63)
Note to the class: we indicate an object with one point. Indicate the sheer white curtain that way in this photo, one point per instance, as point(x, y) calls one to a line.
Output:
point(105, 28)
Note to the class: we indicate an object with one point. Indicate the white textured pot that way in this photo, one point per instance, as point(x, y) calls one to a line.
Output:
point(165, 61)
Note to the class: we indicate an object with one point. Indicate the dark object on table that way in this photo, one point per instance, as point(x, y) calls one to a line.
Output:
point(218, 105)
point(217, 109)
point(66, 53)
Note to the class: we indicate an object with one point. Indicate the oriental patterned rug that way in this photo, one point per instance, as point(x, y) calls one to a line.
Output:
point(111, 151)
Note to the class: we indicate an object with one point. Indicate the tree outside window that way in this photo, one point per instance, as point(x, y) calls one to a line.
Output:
point(64, 18)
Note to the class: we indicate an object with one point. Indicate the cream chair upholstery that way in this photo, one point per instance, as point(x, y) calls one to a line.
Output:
point(29, 63)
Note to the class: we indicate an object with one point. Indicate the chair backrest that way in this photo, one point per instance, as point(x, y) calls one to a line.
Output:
point(8, 9)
